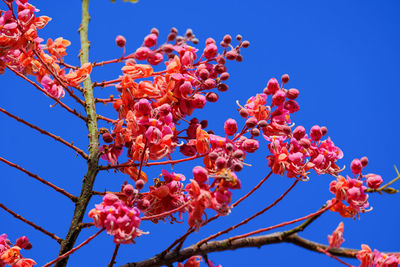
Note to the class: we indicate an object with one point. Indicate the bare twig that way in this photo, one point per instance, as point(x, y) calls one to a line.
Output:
point(57, 138)
point(112, 261)
point(227, 230)
point(74, 249)
point(73, 111)
point(58, 189)
point(19, 217)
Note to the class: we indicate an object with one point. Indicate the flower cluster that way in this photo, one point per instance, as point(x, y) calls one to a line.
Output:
point(21, 50)
point(11, 255)
point(353, 191)
point(376, 258)
point(164, 196)
point(118, 215)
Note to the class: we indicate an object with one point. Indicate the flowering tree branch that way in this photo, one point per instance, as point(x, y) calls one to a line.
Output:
point(92, 162)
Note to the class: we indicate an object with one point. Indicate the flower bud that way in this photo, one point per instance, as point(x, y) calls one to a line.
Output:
point(23, 242)
point(210, 51)
point(222, 87)
point(285, 78)
point(209, 84)
point(279, 97)
point(305, 142)
point(245, 44)
point(128, 190)
point(263, 123)
point(203, 74)
point(237, 166)
point(155, 58)
point(220, 162)
point(299, 132)
point(356, 166)
point(227, 39)
point(150, 40)
point(238, 154)
point(204, 124)
point(120, 41)
point(251, 122)
point(374, 180)
point(324, 130)
point(292, 93)
point(107, 137)
point(213, 156)
point(364, 161)
point(139, 184)
point(244, 113)
point(250, 145)
point(142, 53)
point(316, 133)
point(212, 97)
point(224, 76)
point(143, 106)
point(231, 55)
point(272, 86)
point(291, 106)
point(255, 132)
point(210, 41)
point(200, 174)
point(230, 127)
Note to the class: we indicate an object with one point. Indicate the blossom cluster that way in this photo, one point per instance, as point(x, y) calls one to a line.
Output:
point(376, 258)
point(118, 216)
point(10, 254)
point(353, 190)
point(22, 51)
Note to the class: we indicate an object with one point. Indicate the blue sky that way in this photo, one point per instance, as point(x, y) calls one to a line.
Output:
point(343, 56)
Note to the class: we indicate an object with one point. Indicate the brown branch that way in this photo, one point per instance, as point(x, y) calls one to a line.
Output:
point(93, 135)
point(73, 111)
point(57, 138)
point(63, 256)
point(58, 189)
point(19, 217)
point(248, 242)
point(112, 261)
point(181, 239)
point(227, 230)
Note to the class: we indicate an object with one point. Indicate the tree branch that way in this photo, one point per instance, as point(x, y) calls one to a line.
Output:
point(57, 138)
point(58, 189)
point(94, 154)
point(19, 217)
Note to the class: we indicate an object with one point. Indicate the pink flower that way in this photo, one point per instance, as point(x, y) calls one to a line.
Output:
point(200, 174)
point(24, 262)
point(373, 180)
point(336, 239)
point(250, 145)
point(365, 256)
point(119, 219)
point(51, 88)
point(230, 127)
point(356, 166)
point(385, 260)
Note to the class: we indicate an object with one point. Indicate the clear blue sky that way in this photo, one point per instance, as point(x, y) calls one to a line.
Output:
point(343, 56)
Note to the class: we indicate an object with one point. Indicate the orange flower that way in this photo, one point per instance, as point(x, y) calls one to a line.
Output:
point(202, 141)
point(78, 76)
point(58, 47)
point(174, 65)
point(40, 22)
point(11, 255)
point(137, 70)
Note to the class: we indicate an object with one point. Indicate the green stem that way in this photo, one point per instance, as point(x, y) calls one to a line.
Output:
point(93, 160)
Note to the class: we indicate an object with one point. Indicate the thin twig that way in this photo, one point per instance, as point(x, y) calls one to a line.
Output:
point(74, 249)
point(57, 138)
point(227, 230)
point(152, 217)
point(283, 224)
point(73, 111)
point(58, 189)
point(112, 261)
point(19, 217)
point(58, 79)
